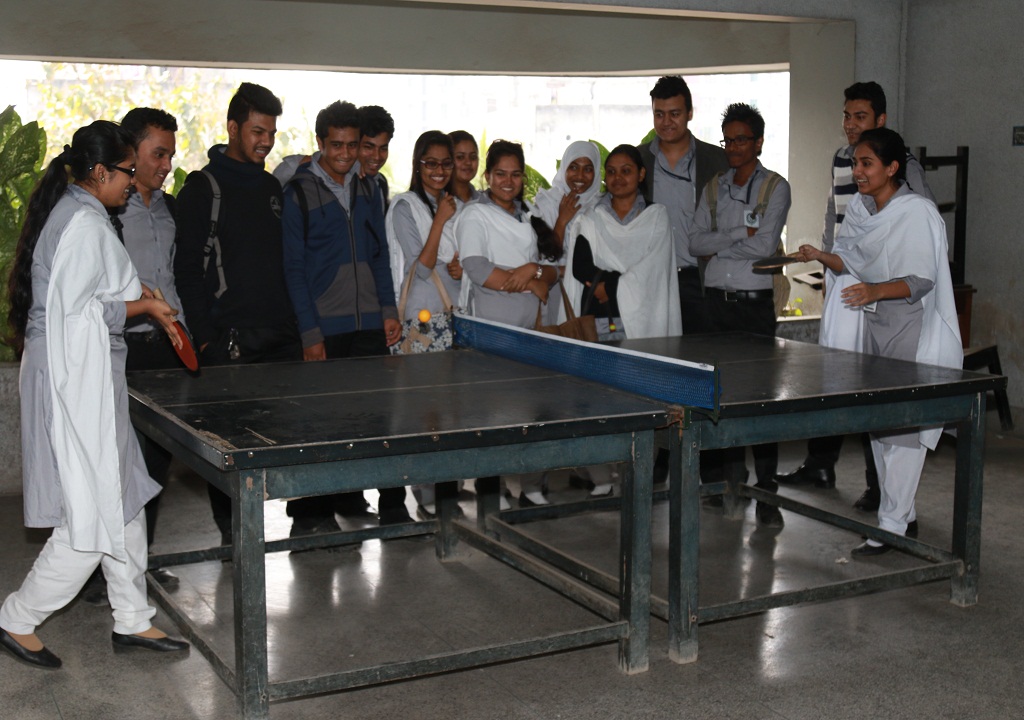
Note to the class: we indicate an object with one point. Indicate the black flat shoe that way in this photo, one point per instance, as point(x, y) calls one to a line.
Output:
point(40, 658)
point(164, 644)
point(869, 501)
point(166, 578)
point(911, 529)
point(768, 515)
point(819, 477)
point(866, 550)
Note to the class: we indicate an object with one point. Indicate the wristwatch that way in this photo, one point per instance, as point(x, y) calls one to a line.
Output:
point(540, 272)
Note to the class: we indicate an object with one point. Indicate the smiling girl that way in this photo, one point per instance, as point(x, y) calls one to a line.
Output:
point(620, 257)
point(71, 289)
point(501, 247)
point(893, 243)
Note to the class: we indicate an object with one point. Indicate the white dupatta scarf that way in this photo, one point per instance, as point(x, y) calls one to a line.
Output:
point(90, 267)
point(487, 230)
point(424, 220)
point(907, 237)
point(641, 251)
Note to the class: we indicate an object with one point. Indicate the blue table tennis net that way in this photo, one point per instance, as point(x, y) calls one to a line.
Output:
point(677, 382)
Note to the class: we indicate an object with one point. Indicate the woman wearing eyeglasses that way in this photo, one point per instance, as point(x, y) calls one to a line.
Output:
point(501, 246)
point(420, 224)
point(71, 289)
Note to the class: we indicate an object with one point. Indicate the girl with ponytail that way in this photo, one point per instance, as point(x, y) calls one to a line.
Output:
point(72, 286)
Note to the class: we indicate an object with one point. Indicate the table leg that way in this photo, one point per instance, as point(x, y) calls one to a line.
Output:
point(446, 499)
point(488, 501)
point(684, 544)
point(250, 592)
point(635, 554)
point(970, 462)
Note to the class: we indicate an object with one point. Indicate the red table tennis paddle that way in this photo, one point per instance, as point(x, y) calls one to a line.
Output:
point(187, 351)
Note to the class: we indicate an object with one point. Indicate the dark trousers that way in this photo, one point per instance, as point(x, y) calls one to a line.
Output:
point(692, 306)
point(276, 343)
point(756, 316)
point(152, 351)
point(362, 343)
point(824, 453)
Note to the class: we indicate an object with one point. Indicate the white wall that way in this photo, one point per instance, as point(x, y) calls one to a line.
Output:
point(965, 86)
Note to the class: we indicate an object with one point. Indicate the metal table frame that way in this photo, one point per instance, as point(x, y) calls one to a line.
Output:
point(251, 477)
point(960, 403)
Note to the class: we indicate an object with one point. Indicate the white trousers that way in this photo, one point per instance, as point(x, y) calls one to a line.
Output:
point(60, 572)
point(899, 472)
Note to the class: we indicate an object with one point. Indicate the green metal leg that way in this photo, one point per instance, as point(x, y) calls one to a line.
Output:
point(635, 554)
point(970, 462)
point(684, 545)
point(250, 590)
point(447, 504)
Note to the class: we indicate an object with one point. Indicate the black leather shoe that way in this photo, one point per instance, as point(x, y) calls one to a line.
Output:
point(768, 515)
point(820, 477)
point(713, 501)
point(166, 578)
point(869, 501)
point(164, 644)
point(582, 483)
point(354, 508)
point(40, 658)
point(867, 550)
point(911, 529)
point(393, 516)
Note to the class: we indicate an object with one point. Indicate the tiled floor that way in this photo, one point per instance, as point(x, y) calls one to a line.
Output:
point(901, 654)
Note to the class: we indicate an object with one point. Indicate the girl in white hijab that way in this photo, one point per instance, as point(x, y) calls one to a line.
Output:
point(573, 191)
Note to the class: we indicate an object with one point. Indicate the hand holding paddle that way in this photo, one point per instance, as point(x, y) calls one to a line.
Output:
point(777, 261)
point(180, 339)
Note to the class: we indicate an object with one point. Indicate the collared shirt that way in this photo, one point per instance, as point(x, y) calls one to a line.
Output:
point(605, 201)
point(733, 249)
point(149, 239)
point(342, 192)
point(674, 187)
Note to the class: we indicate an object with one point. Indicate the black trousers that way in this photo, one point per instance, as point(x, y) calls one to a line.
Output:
point(744, 315)
point(824, 453)
point(273, 343)
point(693, 307)
point(362, 343)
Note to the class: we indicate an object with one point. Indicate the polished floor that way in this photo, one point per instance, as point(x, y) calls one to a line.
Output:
point(900, 654)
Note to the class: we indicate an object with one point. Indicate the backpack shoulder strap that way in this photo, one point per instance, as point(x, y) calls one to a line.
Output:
point(212, 248)
point(711, 193)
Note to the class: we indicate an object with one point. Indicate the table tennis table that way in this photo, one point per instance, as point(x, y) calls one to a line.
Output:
point(261, 432)
point(774, 390)
point(296, 429)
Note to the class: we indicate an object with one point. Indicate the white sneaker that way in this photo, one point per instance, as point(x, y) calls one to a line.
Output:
point(605, 490)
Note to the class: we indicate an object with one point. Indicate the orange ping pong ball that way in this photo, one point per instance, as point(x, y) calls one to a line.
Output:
point(424, 315)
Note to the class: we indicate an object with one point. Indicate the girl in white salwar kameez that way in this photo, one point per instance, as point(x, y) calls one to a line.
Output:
point(620, 264)
point(71, 289)
point(501, 246)
point(893, 242)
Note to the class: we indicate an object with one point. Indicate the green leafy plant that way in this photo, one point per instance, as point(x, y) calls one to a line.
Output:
point(532, 182)
point(22, 149)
